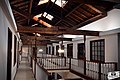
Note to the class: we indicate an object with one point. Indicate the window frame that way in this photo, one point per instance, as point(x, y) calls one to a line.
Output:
point(97, 46)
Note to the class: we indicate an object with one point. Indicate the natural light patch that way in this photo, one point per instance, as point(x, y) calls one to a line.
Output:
point(42, 2)
point(34, 25)
point(60, 3)
point(39, 15)
point(48, 16)
point(71, 36)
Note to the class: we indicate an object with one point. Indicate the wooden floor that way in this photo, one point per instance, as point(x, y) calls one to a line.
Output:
point(24, 71)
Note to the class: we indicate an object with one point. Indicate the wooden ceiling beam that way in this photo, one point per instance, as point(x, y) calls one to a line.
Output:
point(30, 8)
point(41, 38)
point(20, 12)
point(56, 31)
point(61, 19)
point(69, 13)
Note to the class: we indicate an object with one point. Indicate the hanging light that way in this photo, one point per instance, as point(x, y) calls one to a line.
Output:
point(61, 47)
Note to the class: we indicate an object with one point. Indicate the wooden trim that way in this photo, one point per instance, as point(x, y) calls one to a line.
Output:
point(59, 69)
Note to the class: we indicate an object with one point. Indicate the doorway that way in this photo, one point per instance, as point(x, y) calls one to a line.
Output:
point(70, 50)
point(81, 50)
point(9, 55)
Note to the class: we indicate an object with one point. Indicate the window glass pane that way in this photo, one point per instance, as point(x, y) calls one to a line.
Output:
point(97, 52)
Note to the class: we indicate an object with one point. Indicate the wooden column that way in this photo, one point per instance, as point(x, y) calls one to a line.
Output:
point(35, 55)
point(84, 55)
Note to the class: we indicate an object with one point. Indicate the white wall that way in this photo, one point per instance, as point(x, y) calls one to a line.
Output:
point(41, 74)
point(25, 51)
point(6, 20)
point(111, 47)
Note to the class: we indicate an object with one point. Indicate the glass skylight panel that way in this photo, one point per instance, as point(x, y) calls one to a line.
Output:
point(48, 16)
point(58, 2)
point(42, 2)
point(44, 14)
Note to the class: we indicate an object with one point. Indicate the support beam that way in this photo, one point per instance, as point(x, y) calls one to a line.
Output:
point(56, 31)
point(45, 38)
point(30, 8)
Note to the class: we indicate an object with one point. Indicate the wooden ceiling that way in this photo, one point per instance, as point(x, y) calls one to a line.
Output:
point(75, 14)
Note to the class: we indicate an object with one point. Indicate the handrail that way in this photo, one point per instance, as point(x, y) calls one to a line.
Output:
point(95, 70)
point(43, 69)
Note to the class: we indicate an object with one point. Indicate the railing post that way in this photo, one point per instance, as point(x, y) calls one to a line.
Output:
point(85, 66)
point(65, 61)
point(70, 63)
point(99, 73)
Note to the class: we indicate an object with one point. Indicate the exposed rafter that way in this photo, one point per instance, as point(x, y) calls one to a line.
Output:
point(89, 21)
point(30, 8)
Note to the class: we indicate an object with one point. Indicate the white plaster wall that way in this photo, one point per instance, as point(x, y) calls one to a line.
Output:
point(41, 74)
point(6, 20)
point(25, 51)
point(111, 47)
point(3, 46)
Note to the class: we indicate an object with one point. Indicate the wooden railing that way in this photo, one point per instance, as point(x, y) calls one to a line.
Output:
point(93, 70)
point(53, 62)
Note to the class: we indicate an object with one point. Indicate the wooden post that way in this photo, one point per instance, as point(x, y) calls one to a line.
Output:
point(84, 55)
point(35, 55)
point(70, 63)
point(99, 74)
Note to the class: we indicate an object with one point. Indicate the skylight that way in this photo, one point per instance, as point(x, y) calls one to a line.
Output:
point(48, 16)
point(58, 2)
point(42, 2)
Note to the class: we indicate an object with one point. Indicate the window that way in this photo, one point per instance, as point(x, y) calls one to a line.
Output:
point(97, 52)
